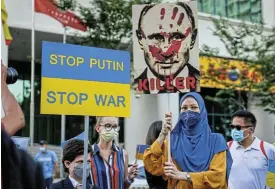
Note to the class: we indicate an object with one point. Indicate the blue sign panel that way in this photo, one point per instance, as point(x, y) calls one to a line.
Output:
point(76, 62)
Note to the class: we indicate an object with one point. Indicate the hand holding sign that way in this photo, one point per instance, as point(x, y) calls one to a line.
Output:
point(167, 123)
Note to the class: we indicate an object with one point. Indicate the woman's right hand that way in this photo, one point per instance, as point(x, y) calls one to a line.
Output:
point(166, 128)
point(167, 124)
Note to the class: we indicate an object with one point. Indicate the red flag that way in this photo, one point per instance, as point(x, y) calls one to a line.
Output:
point(64, 17)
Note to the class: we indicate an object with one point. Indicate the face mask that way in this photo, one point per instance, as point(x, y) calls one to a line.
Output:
point(238, 135)
point(42, 149)
point(190, 118)
point(108, 136)
point(78, 170)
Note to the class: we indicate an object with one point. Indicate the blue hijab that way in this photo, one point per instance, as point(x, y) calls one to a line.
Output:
point(194, 148)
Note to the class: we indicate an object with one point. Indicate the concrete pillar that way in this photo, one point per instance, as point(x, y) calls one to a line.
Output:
point(265, 122)
point(268, 12)
point(143, 113)
point(173, 106)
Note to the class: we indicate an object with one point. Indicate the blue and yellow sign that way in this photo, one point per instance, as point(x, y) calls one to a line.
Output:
point(80, 80)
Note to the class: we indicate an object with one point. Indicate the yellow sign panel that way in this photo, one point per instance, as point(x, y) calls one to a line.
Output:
point(224, 73)
point(76, 97)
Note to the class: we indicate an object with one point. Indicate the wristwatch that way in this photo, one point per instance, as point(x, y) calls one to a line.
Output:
point(188, 178)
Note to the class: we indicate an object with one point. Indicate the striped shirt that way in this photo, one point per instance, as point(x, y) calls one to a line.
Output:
point(108, 175)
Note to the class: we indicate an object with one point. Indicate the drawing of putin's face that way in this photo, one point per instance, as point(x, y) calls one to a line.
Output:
point(166, 34)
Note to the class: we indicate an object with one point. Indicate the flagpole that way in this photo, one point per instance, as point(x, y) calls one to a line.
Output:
point(32, 75)
point(63, 119)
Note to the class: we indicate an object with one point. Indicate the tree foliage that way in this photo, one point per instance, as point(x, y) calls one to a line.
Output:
point(109, 22)
point(254, 45)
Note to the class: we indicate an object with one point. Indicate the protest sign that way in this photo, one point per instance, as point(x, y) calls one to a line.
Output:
point(80, 80)
point(165, 46)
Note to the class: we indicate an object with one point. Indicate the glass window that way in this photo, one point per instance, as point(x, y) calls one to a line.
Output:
point(247, 10)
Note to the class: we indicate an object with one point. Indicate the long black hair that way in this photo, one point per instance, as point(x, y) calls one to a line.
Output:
point(153, 132)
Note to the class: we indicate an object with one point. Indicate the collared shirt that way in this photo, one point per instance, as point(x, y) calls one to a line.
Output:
point(162, 83)
point(73, 181)
point(47, 160)
point(250, 165)
point(108, 174)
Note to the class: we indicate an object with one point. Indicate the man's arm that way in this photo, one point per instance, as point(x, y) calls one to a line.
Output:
point(54, 162)
point(14, 118)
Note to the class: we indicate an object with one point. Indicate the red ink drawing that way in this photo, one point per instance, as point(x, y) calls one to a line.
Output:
point(162, 13)
point(158, 86)
point(180, 83)
point(173, 49)
point(155, 83)
point(152, 84)
point(175, 11)
point(180, 19)
point(190, 83)
point(187, 32)
point(168, 84)
point(142, 85)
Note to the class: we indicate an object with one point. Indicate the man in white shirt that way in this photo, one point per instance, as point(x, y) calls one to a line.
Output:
point(250, 154)
point(167, 42)
point(73, 163)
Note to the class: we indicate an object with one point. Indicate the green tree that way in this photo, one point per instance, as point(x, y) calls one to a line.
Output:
point(109, 23)
point(254, 45)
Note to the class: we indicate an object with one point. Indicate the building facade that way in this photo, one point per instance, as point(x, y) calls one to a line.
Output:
point(144, 109)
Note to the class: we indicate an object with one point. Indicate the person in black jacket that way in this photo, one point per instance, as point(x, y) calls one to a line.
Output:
point(73, 163)
point(18, 168)
point(155, 182)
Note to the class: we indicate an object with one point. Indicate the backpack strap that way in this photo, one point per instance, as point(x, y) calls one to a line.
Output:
point(230, 144)
point(262, 149)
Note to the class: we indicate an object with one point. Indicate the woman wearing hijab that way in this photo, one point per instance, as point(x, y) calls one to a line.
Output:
point(200, 158)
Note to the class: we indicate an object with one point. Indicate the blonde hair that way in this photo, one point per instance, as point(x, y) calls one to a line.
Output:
point(99, 119)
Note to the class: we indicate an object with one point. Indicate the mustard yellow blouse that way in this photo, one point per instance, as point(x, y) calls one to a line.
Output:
point(155, 157)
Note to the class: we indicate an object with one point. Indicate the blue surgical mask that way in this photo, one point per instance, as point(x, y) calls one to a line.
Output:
point(190, 118)
point(238, 135)
point(78, 170)
point(42, 149)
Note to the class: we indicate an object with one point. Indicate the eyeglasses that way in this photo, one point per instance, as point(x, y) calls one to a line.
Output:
point(109, 127)
point(238, 127)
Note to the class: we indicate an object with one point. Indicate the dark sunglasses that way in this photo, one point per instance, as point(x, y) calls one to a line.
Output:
point(238, 127)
